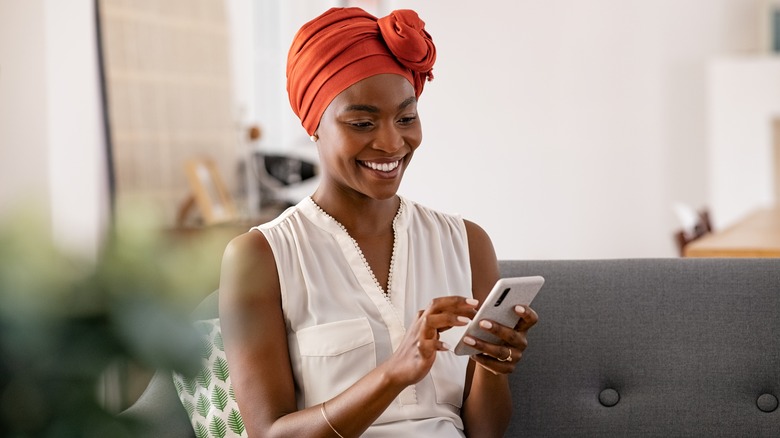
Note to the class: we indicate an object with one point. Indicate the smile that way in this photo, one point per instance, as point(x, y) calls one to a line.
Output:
point(382, 167)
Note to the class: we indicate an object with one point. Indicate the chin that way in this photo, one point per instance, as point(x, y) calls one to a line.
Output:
point(382, 195)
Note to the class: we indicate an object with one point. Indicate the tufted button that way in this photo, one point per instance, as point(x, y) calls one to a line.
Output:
point(767, 402)
point(609, 397)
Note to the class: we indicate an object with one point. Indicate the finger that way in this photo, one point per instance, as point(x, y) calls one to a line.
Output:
point(511, 356)
point(504, 355)
point(492, 365)
point(444, 321)
point(455, 304)
point(506, 334)
point(528, 317)
point(428, 347)
point(428, 331)
point(483, 347)
point(446, 312)
point(419, 322)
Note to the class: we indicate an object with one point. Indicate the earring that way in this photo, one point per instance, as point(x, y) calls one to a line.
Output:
point(314, 138)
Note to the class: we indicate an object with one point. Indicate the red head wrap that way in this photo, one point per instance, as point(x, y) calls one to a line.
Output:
point(346, 45)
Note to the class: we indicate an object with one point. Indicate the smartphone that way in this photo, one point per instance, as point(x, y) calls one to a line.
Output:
point(500, 307)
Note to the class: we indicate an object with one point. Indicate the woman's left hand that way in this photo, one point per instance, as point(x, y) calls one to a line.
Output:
point(501, 358)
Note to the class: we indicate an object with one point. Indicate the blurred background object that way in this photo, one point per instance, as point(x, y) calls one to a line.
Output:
point(693, 225)
point(168, 96)
point(282, 180)
point(78, 338)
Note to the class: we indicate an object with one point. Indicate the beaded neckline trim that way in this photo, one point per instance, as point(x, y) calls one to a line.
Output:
point(360, 251)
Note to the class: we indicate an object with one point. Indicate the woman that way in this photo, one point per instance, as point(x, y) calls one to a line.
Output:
point(331, 313)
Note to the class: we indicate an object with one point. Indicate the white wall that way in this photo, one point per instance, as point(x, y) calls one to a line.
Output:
point(567, 128)
point(51, 137)
point(743, 106)
point(23, 117)
point(276, 22)
point(78, 168)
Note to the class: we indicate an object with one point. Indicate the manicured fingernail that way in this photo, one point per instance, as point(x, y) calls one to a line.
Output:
point(446, 346)
point(486, 324)
point(463, 319)
point(520, 309)
point(472, 301)
point(469, 340)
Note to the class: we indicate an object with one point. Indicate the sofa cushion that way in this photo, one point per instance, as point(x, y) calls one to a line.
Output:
point(208, 396)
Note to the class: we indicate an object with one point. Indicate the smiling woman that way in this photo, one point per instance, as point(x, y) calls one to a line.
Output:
point(331, 313)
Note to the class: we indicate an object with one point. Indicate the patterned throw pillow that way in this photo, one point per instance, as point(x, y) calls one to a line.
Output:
point(208, 397)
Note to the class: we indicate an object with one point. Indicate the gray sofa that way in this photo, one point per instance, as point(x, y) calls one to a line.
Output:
point(645, 347)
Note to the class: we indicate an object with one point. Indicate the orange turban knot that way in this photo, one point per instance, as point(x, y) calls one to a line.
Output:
point(346, 45)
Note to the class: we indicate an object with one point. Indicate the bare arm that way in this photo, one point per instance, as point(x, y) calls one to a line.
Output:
point(487, 408)
point(256, 346)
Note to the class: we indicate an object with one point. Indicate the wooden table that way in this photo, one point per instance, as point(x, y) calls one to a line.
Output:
point(758, 235)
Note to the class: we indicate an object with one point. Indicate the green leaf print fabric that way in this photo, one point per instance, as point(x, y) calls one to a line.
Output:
point(208, 396)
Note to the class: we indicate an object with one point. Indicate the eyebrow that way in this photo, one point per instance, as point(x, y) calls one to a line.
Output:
point(407, 102)
point(373, 109)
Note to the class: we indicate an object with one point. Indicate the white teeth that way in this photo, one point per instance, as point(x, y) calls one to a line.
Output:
point(382, 167)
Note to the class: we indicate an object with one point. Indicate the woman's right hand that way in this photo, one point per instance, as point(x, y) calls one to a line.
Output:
point(415, 356)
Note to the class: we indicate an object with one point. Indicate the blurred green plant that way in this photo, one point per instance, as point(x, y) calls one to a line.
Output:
point(65, 321)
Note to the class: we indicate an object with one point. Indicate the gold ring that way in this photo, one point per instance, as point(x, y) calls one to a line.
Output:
point(508, 357)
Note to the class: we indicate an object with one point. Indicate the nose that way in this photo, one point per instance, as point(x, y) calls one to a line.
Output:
point(388, 139)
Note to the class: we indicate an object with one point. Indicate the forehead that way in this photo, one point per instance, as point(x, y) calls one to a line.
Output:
point(383, 90)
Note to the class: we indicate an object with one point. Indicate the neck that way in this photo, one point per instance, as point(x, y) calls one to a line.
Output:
point(360, 215)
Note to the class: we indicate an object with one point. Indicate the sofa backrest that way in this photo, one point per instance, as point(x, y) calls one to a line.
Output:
point(650, 347)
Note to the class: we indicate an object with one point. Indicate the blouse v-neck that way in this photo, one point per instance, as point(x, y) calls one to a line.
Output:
point(390, 305)
point(343, 230)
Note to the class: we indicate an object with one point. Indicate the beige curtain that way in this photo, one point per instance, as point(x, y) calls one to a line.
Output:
point(167, 77)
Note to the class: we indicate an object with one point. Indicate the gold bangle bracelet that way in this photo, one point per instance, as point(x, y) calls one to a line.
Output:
point(325, 416)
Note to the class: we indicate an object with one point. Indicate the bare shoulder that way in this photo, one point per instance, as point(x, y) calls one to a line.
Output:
point(484, 265)
point(477, 235)
point(248, 277)
point(247, 251)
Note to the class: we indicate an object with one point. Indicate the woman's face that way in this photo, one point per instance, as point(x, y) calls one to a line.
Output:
point(367, 136)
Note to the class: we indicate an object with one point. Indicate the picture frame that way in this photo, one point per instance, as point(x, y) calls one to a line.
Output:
point(209, 192)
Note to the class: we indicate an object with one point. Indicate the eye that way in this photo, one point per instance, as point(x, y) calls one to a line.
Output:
point(363, 125)
point(408, 120)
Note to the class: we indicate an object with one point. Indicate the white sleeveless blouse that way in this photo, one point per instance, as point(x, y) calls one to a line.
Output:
point(340, 324)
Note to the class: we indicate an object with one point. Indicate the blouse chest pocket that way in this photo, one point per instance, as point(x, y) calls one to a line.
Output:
point(333, 357)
